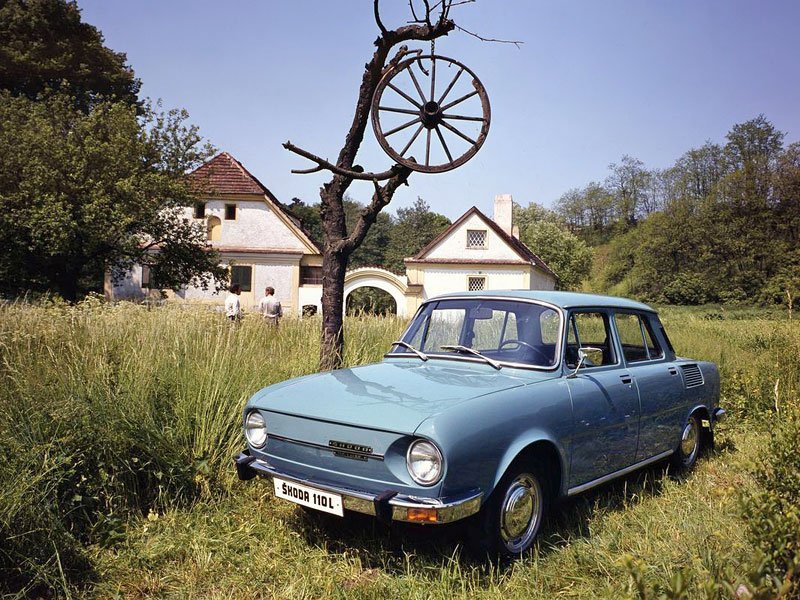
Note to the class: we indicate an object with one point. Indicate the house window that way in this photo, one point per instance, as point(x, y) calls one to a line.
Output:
point(476, 284)
point(147, 276)
point(476, 238)
point(310, 275)
point(243, 275)
point(230, 212)
point(199, 210)
point(214, 229)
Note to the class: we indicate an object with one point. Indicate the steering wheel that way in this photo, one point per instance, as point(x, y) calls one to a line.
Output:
point(538, 351)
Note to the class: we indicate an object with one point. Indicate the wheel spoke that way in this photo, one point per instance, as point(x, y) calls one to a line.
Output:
point(403, 126)
point(444, 145)
point(458, 133)
point(452, 83)
point(428, 150)
point(404, 95)
point(461, 117)
point(460, 100)
point(411, 141)
point(405, 111)
point(416, 83)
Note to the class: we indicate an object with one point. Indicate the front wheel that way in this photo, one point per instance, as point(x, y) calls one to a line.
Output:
point(509, 522)
point(688, 450)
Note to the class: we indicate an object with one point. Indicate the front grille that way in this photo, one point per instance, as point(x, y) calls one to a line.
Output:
point(692, 376)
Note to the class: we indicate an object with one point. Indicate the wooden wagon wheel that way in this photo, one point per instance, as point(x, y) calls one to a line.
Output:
point(431, 115)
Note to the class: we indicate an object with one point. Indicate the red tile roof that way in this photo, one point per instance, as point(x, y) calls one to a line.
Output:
point(223, 174)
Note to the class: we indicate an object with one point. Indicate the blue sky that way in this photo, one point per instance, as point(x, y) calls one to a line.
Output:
point(593, 80)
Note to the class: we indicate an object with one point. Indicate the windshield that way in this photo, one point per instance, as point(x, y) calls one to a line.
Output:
point(506, 331)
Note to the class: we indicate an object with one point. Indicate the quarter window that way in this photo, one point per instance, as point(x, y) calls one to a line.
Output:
point(476, 238)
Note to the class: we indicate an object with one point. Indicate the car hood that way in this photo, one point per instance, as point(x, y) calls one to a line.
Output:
point(395, 395)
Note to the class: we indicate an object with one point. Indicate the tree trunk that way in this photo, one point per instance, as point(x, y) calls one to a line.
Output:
point(334, 265)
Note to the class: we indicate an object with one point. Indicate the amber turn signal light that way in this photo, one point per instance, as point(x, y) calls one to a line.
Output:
point(422, 515)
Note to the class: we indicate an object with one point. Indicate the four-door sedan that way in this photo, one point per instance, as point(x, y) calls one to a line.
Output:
point(489, 407)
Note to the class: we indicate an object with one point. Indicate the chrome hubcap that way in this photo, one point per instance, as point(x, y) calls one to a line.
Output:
point(520, 513)
point(689, 441)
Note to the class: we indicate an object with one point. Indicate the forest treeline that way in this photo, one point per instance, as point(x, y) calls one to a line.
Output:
point(722, 224)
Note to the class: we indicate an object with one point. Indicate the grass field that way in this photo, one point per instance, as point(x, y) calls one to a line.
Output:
point(118, 424)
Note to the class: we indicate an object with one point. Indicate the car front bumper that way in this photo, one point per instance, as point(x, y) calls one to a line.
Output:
point(386, 506)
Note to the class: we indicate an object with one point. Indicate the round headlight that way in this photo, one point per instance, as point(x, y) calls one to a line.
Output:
point(255, 429)
point(424, 462)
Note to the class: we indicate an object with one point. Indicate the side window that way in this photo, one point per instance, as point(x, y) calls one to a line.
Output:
point(629, 328)
point(590, 329)
point(653, 347)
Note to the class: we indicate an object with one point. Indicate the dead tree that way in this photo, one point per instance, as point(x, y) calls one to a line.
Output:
point(429, 22)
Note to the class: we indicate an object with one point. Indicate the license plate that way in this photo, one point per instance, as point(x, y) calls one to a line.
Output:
point(309, 496)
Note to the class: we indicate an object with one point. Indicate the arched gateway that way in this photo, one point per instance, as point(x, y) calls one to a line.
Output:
point(395, 285)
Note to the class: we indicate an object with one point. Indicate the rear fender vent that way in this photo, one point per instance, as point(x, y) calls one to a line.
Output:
point(692, 376)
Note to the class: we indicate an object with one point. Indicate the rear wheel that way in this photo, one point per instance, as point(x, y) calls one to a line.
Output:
point(508, 523)
point(688, 450)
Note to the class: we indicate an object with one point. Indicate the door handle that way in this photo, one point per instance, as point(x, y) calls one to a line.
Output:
point(626, 379)
point(673, 371)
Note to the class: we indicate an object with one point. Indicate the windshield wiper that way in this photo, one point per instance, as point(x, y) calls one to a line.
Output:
point(422, 355)
point(466, 350)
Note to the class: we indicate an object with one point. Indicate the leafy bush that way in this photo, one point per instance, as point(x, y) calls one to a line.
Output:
point(773, 511)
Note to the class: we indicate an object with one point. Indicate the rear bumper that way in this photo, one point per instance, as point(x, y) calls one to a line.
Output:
point(387, 506)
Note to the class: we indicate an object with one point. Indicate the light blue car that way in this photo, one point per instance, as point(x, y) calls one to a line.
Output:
point(489, 407)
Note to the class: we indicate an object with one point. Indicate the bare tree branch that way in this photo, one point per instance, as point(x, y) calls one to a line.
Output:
point(377, 13)
point(517, 43)
point(381, 197)
point(353, 173)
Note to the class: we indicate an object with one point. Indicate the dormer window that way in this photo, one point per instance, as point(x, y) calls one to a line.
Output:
point(476, 238)
point(199, 210)
point(230, 212)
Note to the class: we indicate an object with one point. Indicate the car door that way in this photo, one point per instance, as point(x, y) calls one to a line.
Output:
point(605, 402)
point(658, 381)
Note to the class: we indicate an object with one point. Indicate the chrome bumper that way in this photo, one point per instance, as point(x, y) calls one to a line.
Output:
point(387, 506)
point(719, 414)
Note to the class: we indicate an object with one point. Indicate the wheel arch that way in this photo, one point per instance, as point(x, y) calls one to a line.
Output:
point(537, 449)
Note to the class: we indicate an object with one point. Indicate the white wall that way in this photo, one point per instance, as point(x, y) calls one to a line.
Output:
point(256, 226)
point(455, 244)
point(444, 280)
point(310, 294)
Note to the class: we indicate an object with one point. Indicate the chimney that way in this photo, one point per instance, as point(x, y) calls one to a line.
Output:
point(502, 211)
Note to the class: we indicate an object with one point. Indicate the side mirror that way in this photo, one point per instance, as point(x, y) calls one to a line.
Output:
point(588, 356)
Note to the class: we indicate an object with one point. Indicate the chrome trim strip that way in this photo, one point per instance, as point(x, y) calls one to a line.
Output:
point(330, 449)
point(448, 509)
point(585, 486)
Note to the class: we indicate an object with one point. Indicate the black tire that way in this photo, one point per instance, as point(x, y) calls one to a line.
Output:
point(689, 447)
point(507, 525)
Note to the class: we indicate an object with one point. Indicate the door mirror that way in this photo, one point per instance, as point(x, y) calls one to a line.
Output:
point(588, 356)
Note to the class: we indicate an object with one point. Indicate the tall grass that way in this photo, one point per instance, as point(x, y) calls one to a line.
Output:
point(118, 424)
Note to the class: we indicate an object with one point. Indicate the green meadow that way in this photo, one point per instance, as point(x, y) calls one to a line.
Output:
point(118, 425)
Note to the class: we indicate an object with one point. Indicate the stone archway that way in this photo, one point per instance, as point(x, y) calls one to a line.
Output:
point(382, 279)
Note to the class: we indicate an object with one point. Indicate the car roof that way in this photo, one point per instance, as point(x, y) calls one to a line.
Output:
point(561, 299)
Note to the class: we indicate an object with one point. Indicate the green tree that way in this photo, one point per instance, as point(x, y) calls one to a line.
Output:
point(45, 46)
point(565, 253)
point(83, 192)
point(414, 228)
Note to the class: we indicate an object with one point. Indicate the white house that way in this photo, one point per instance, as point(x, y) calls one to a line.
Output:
point(262, 242)
point(265, 245)
point(478, 253)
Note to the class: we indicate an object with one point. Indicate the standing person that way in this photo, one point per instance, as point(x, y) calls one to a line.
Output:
point(270, 307)
point(233, 309)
